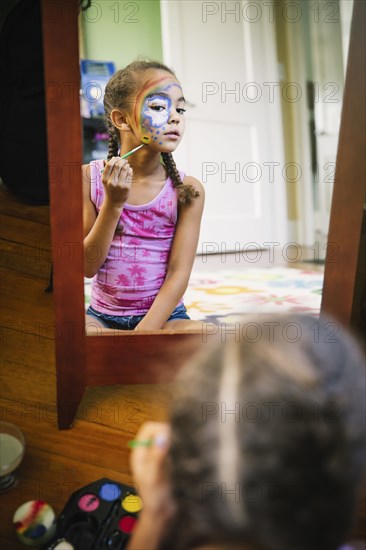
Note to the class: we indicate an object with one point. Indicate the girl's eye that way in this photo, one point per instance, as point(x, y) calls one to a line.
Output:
point(157, 107)
point(181, 111)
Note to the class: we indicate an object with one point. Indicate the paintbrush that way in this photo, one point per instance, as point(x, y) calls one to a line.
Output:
point(145, 139)
point(160, 441)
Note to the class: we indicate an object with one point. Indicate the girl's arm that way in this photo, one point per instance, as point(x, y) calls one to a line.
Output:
point(181, 260)
point(99, 229)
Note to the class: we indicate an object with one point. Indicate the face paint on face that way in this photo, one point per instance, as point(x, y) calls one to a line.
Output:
point(155, 111)
point(153, 107)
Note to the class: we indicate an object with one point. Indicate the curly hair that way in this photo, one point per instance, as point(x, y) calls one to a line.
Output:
point(268, 439)
point(120, 92)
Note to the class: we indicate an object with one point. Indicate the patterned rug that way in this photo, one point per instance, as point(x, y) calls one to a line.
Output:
point(221, 296)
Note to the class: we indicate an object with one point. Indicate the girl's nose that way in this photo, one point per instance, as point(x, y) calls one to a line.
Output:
point(174, 116)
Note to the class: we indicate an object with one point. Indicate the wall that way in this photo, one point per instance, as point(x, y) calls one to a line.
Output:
point(121, 30)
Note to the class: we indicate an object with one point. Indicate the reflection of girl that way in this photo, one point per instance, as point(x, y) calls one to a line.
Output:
point(266, 445)
point(141, 252)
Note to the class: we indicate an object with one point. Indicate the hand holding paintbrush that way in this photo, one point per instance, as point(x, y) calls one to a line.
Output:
point(117, 180)
point(117, 177)
point(150, 469)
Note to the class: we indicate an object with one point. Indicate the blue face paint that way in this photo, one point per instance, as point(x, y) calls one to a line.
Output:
point(156, 111)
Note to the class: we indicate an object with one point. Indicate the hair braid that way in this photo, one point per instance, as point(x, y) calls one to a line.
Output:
point(112, 147)
point(186, 193)
point(113, 139)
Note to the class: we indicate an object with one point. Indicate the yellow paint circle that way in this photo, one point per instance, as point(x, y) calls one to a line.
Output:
point(132, 503)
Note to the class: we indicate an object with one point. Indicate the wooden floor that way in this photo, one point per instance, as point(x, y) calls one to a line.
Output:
point(57, 462)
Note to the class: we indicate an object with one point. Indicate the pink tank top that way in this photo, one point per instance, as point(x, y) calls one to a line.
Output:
point(135, 268)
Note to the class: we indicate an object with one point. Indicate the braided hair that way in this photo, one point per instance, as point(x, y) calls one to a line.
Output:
point(120, 92)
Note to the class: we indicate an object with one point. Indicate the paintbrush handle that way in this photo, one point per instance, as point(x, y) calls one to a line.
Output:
point(160, 440)
point(132, 151)
point(128, 154)
point(133, 443)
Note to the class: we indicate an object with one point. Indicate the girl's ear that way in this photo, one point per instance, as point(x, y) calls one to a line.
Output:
point(119, 120)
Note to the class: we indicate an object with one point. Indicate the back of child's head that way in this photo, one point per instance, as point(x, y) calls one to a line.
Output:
point(120, 93)
point(268, 437)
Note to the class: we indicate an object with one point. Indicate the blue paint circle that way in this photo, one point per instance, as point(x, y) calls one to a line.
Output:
point(109, 492)
point(36, 532)
point(160, 143)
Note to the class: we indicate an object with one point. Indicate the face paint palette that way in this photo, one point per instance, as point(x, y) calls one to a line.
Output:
point(98, 516)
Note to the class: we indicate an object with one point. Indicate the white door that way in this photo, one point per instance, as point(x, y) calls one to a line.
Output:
point(224, 53)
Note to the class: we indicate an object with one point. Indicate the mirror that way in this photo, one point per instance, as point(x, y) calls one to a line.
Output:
point(272, 85)
point(148, 357)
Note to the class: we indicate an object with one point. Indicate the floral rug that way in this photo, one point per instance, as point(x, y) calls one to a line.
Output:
point(223, 295)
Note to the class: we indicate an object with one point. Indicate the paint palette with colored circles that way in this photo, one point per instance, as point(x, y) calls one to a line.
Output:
point(98, 516)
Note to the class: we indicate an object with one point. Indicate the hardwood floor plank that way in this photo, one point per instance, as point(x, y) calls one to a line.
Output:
point(25, 231)
point(31, 259)
point(24, 302)
point(11, 206)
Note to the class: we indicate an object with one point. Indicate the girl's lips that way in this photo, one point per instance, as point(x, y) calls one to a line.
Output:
point(172, 135)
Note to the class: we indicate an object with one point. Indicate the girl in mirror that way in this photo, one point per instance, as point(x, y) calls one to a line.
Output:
point(141, 214)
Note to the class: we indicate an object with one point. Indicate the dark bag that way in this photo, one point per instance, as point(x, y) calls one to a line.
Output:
point(23, 142)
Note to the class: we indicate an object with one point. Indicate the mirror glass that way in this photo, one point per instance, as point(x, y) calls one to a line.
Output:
point(263, 84)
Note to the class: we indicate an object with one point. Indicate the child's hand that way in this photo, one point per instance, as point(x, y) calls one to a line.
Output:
point(117, 179)
point(149, 469)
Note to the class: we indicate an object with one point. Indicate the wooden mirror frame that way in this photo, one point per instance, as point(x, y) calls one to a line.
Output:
point(132, 358)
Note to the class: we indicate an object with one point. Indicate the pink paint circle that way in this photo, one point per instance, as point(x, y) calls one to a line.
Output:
point(127, 523)
point(88, 503)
